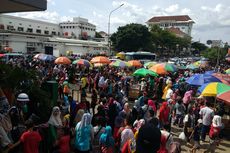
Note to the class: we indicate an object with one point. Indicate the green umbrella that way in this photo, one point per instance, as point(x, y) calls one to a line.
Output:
point(149, 64)
point(143, 72)
point(170, 67)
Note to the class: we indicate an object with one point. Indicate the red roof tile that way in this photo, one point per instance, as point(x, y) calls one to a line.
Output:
point(170, 18)
point(176, 31)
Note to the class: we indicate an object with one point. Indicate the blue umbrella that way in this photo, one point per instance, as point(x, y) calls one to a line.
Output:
point(210, 72)
point(200, 79)
point(45, 57)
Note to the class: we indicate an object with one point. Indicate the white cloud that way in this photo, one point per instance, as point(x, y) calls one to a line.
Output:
point(47, 16)
point(172, 8)
point(72, 11)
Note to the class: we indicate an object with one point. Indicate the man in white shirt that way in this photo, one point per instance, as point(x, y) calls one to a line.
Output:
point(206, 115)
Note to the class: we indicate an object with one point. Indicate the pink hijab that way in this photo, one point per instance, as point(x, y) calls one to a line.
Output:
point(152, 104)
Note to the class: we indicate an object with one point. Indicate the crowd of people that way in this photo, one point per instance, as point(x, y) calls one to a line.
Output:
point(110, 122)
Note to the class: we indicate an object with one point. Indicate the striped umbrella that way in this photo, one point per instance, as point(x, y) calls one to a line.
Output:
point(82, 62)
point(149, 64)
point(192, 67)
point(159, 69)
point(62, 60)
point(120, 63)
point(100, 59)
point(224, 97)
point(170, 67)
point(213, 89)
point(135, 63)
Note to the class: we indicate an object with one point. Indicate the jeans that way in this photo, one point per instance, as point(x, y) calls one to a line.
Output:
point(204, 130)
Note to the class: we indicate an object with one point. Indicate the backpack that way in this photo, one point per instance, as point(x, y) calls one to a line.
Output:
point(175, 147)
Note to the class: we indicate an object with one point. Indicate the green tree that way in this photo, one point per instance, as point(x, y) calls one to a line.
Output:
point(14, 80)
point(212, 53)
point(132, 37)
point(166, 41)
point(199, 47)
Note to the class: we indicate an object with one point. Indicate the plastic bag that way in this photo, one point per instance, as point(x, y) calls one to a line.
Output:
point(182, 136)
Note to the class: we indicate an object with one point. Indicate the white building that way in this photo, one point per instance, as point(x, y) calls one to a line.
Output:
point(31, 36)
point(79, 28)
point(183, 22)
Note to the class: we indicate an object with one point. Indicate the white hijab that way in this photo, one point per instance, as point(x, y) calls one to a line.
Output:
point(85, 120)
point(55, 120)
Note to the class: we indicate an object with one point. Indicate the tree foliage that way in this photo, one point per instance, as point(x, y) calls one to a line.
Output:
point(132, 37)
point(165, 40)
point(199, 46)
point(212, 53)
point(15, 80)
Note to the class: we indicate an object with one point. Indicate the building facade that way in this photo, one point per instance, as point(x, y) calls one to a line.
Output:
point(79, 28)
point(33, 36)
point(183, 23)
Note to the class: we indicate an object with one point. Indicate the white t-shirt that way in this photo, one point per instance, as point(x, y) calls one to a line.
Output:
point(207, 115)
point(169, 93)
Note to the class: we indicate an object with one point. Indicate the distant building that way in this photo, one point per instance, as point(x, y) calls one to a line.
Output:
point(182, 23)
point(79, 28)
point(32, 36)
point(103, 34)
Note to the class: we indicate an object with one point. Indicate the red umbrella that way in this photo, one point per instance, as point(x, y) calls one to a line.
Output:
point(225, 97)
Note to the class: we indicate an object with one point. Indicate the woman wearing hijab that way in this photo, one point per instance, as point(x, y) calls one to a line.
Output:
point(152, 105)
point(106, 141)
point(54, 124)
point(84, 134)
point(164, 116)
point(55, 118)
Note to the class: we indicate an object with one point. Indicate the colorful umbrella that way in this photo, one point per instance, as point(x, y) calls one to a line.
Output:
point(201, 63)
point(99, 64)
point(100, 59)
point(170, 67)
point(135, 63)
point(2, 55)
point(44, 57)
point(225, 78)
point(224, 97)
point(159, 69)
point(200, 79)
point(82, 62)
point(210, 72)
point(227, 71)
point(149, 64)
point(62, 60)
point(143, 72)
point(213, 89)
point(192, 67)
point(119, 63)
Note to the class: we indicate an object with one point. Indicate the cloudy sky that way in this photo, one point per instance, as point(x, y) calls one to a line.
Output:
point(212, 17)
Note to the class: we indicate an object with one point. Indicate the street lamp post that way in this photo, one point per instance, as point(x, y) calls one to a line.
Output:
point(109, 42)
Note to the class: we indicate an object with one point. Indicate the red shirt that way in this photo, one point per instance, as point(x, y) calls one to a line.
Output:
point(30, 140)
point(63, 144)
